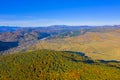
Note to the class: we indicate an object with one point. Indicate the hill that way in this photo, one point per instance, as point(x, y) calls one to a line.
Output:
point(98, 42)
point(101, 44)
point(56, 65)
point(27, 36)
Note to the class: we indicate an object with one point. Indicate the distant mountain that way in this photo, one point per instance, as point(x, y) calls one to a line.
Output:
point(21, 36)
point(52, 28)
point(30, 35)
point(98, 43)
point(8, 28)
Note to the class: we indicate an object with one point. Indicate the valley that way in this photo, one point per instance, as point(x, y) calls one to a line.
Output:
point(60, 52)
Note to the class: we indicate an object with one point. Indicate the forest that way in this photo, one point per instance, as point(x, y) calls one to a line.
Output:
point(56, 65)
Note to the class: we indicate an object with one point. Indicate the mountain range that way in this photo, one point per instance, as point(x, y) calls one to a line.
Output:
point(60, 52)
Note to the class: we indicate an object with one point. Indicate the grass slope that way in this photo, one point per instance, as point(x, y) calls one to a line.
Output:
point(98, 45)
point(55, 65)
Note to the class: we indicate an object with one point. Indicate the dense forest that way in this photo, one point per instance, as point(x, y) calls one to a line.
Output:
point(56, 65)
point(7, 45)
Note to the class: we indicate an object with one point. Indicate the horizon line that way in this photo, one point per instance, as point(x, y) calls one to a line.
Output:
point(58, 25)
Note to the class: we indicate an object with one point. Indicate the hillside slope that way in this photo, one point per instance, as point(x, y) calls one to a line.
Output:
point(55, 65)
point(98, 45)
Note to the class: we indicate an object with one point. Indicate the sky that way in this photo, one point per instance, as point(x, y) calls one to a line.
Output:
point(59, 12)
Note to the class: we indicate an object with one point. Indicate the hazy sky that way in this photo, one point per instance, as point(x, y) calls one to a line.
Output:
point(59, 12)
